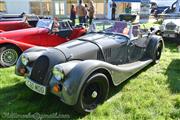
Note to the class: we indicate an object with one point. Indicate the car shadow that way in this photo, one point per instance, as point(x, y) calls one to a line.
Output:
point(172, 44)
point(18, 99)
point(116, 89)
point(173, 74)
point(21, 100)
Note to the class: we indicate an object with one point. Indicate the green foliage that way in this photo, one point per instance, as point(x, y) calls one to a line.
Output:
point(153, 93)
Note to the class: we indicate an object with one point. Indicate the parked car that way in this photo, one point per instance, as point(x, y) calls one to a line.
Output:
point(170, 29)
point(46, 34)
point(80, 71)
point(19, 17)
point(10, 17)
point(27, 21)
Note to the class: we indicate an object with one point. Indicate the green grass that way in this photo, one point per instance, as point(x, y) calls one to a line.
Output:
point(149, 25)
point(153, 93)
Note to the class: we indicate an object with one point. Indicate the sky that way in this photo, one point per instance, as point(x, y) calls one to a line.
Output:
point(164, 2)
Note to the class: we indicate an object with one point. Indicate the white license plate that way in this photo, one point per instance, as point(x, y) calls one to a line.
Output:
point(169, 35)
point(36, 87)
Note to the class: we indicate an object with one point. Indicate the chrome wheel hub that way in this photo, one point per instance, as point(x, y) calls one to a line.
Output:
point(9, 57)
point(94, 94)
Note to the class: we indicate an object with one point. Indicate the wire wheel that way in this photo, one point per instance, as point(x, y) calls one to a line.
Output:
point(8, 56)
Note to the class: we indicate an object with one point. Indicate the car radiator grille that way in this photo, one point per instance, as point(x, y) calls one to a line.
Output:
point(171, 26)
point(40, 70)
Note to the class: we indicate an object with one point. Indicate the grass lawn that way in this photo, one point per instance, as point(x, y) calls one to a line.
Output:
point(153, 93)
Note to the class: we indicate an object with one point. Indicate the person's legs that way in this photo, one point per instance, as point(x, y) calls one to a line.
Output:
point(90, 20)
point(81, 20)
point(73, 22)
point(87, 19)
point(113, 15)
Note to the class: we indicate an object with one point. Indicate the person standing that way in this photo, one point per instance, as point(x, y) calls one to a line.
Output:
point(73, 14)
point(91, 11)
point(113, 10)
point(128, 9)
point(81, 12)
point(87, 15)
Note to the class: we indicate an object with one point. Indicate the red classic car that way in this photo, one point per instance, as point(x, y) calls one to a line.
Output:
point(47, 33)
point(27, 21)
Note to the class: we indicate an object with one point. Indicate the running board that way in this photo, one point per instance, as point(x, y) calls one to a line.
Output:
point(135, 65)
point(125, 71)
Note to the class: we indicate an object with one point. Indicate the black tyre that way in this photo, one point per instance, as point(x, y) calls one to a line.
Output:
point(93, 93)
point(157, 52)
point(8, 55)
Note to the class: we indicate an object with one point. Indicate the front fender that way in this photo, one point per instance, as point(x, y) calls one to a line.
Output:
point(76, 78)
point(20, 45)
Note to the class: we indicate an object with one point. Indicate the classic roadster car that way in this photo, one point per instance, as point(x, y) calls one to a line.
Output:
point(27, 21)
point(80, 71)
point(47, 34)
point(170, 28)
point(10, 17)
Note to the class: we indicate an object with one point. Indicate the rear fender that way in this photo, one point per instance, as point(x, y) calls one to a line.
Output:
point(154, 40)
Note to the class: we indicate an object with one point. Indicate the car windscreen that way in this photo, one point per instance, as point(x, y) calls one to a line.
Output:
point(45, 23)
point(113, 27)
point(64, 25)
point(118, 27)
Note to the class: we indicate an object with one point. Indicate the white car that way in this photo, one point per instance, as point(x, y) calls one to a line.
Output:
point(170, 28)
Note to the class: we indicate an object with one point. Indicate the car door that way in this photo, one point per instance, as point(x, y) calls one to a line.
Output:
point(50, 37)
point(60, 33)
point(118, 51)
point(137, 44)
point(114, 49)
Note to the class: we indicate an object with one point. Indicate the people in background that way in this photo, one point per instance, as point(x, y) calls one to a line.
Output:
point(73, 14)
point(91, 10)
point(153, 7)
point(113, 6)
point(128, 9)
point(81, 12)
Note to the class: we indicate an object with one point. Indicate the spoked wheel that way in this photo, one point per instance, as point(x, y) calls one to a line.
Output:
point(158, 52)
point(8, 55)
point(93, 93)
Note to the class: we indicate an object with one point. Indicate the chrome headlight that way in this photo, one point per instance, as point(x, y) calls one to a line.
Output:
point(177, 28)
point(58, 73)
point(24, 59)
